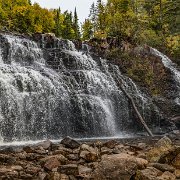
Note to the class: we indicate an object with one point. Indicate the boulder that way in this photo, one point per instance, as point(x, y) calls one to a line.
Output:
point(7, 159)
point(33, 170)
point(105, 150)
point(70, 143)
point(117, 166)
point(163, 146)
point(47, 145)
point(110, 144)
point(162, 167)
point(177, 173)
point(59, 157)
point(69, 169)
point(150, 173)
point(164, 142)
point(42, 176)
point(51, 164)
point(88, 148)
point(17, 168)
point(74, 157)
point(55, 176)
point(171, 156)
point(83, 154)
point(176, 161)
point(28, 149)
point(167, 176)
point(91, 157)
point(84, 171)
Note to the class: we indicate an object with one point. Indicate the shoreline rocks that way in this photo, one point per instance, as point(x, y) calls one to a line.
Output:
point(111, 160)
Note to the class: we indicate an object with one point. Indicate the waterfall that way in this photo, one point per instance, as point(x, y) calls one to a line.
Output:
point(172, 67)
point(58, 91)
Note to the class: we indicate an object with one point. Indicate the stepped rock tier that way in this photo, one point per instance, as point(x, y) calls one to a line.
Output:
point(50, 90)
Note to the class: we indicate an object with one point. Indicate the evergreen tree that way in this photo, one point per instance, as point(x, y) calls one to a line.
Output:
point(87, 29)
point(93, 16)
point(76, 25)
point(68, 31)
point(57, 23)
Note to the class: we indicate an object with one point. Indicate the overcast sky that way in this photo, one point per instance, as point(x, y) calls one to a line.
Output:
point(82, 6)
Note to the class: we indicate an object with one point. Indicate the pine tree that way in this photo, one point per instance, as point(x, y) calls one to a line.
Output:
point(76, 25)
point(57, 22)
point(93, 16)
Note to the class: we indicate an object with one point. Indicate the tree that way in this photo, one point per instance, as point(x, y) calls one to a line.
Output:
point(76, 25)
point(93, 16)
point(87, 29)
point(68, 31)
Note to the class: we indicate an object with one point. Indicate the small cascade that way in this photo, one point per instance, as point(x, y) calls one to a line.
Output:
point(172, 67)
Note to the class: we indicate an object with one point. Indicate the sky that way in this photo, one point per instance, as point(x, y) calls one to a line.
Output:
point(82, 6)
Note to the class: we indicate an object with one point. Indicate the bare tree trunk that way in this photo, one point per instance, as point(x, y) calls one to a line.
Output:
point(136, 110)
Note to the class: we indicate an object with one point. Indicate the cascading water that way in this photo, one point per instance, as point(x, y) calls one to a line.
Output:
point(172, 67)
point(54, 92)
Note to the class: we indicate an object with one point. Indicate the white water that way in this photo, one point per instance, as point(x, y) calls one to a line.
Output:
point(172, 67)
point(79, 98)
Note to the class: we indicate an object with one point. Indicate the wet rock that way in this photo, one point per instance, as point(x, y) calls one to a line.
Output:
point(12, 174)
point(70, 143)
point(47, 145)
point(74, 157)
point(24, 175)
point(64, 177)
point(176, 161)
point(164, 142)
point(33, 170)
point(177, 173)
point(171, 156)
point(42, 176)
point(4, 170)
point(91, 157)
point(62, 150)
point(162, 147)
point(59, 157)
point(162, 167)
point(110, 144)
point(167, 176)
point(28, 149)
point(9, 150)
point(142, 145)
point(88, 148)
point(119, 166)
point(83, 154)
point(142, 155)
point(69, 169)
point(55, 176)
point(84, 171)
point(150, 173)
point(51, 164)
point(17, 168)
point(72, 177)
point(105, 150)
point(8, 159)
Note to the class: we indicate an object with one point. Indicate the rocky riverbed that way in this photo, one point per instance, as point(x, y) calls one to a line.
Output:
point(139, 159)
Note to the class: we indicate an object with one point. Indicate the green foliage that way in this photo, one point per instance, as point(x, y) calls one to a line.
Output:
point(21, 16)
point(146, 71)
point(87, 30)
point(151, 22)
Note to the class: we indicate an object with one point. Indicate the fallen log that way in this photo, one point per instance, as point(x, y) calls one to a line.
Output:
point(135, 109)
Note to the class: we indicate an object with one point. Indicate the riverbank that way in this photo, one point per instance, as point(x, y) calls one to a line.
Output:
point(133, 158)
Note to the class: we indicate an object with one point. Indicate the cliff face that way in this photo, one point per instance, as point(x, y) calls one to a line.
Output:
point(48, 89)
point(153, 72)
